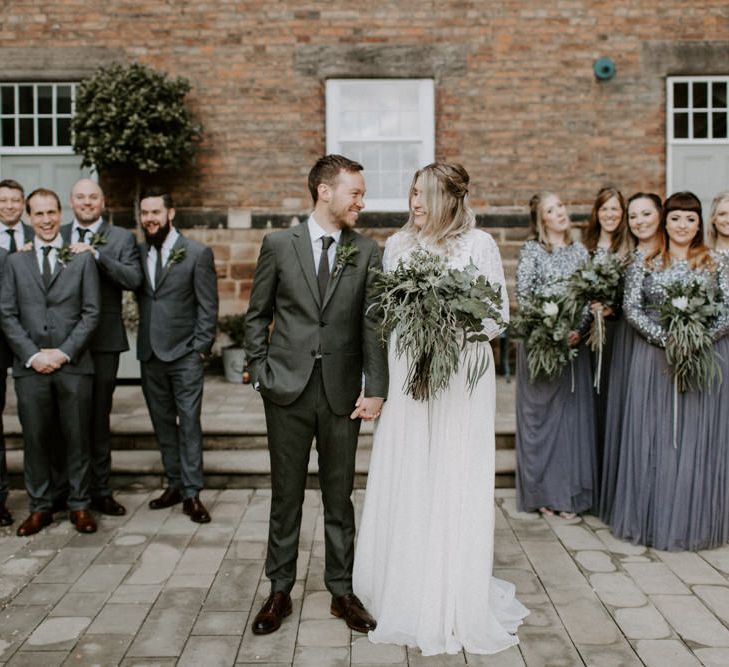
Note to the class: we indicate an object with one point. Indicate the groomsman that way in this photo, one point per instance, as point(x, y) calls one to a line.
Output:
point(13, 234)
point(49, 308)
point(117, 260)
point(178, 313)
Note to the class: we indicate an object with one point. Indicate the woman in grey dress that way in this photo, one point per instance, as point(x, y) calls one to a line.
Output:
point(644, 218)
point(664, 493)
point(555, 419)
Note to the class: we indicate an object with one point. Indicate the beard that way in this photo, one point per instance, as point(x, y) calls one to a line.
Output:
point(158, 238)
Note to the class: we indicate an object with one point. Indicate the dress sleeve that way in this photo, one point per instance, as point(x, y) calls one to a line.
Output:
point(488, 262)
point(526, 271)
point(720, 328)
point(634, 306)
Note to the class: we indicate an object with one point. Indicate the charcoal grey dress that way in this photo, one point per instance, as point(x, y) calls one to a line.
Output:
point(667, 497)
point(555, 426)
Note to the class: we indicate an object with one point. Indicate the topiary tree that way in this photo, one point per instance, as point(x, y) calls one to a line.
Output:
point(134, 117)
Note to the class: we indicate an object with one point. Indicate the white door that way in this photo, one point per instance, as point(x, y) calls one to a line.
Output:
point(702, 169)
point(55, 172)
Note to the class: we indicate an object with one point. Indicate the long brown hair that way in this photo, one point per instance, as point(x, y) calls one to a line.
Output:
point(536, 220)
point(619, 239)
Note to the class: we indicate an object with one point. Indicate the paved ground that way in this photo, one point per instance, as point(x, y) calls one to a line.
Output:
point(153, 588)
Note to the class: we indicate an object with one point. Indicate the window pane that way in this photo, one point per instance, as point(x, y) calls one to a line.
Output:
point(680, 96)
point(45, 132)
point(391, 185)
point(8, 132)
point(27, 132)
point(7, 99)
point(701, 125)
point(719, 129)
point(680, 126)
point(45, 99)
point(63, 99)
point(701, 96)
point(25, 94)
point(63, 132)
point(718, 95)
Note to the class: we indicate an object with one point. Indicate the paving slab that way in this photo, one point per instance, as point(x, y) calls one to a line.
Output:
point(692, 620)
point(99, 650)
point(209, 651)
point(665, 653)
point(642, 623)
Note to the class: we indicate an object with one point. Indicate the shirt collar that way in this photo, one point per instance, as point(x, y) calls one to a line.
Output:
point(18, 226)
point(56, 243)
point(316, 232)
point(94, 227)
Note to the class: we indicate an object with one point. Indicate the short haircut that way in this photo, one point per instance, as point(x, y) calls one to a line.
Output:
point(157, 191)
point(12, 185)
point(327, 168)
point(42, 192)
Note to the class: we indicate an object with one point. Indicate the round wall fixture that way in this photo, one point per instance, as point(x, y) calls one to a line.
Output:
point(604, 68)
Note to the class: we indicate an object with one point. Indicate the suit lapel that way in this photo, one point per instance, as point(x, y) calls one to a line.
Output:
point(32, 260)
point(158, 280)
point(56, 271)
point(302, 246)
point(144, 251)
point(66, 231)
point(346, 237)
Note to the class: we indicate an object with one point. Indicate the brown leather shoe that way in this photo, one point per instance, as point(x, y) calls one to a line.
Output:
point(168, 498)
point(274, 610)
point(353, 612)
point(6, 519)
point(34, 523)
point(83, 520)
point(195, 510)
point(107, 505)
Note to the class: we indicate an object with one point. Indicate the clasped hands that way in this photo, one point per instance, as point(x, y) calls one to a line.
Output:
point(367, 408)
point(48, 361)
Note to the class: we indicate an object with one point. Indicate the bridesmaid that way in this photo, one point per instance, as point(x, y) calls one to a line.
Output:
point(555, 426)
point(644, 218)
point(606, 234)
point(665, 495)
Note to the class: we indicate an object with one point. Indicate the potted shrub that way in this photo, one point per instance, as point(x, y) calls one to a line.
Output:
point(234, 357)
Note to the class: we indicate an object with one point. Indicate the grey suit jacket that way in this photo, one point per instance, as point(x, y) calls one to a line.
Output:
point(64, 316)
point(6, 354)
point(285, 293)
point(180, 314)
point(119, 269)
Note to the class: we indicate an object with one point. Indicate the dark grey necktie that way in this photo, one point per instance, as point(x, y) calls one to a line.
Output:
point(322, 275)
point(13, 245)
point(82, 234)
point(158, 268)
point(46, 265)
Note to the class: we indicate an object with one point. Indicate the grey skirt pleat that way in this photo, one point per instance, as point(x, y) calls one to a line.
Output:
point(556, 463)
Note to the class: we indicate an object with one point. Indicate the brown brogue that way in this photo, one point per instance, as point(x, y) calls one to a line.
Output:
point(107, 505)
point(195, 510)
point(353, 612)
point(6, 519)
point(83, 520)
point(34, 523)
point(168, 498)
point(274, 610)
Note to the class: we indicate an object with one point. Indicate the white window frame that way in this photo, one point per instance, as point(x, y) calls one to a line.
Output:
point(425, 138)
point(35, 115)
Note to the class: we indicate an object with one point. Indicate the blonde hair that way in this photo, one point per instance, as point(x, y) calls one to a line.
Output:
point(445, 189)
point(536, 220)
point(711, 231)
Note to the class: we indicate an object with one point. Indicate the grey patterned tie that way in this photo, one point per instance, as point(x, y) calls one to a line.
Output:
point(13, 245)
point(322, 275)
point(82, 234)
point(46, 265)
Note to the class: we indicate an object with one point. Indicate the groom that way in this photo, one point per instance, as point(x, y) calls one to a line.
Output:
point(320, 370)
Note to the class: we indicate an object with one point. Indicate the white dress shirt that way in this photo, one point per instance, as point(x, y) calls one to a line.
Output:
point(166, 250)
point(38, 245)
point(317, 234)
point(93, 229)
point(19, 235)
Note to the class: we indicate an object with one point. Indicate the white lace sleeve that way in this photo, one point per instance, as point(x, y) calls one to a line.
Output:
point(487, 259)
point(395, 246)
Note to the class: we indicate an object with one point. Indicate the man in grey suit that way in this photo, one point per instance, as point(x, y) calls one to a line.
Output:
point(117, 260)
point(13, 235)
point(49, 308)
point(312, 282)
point(178, 315)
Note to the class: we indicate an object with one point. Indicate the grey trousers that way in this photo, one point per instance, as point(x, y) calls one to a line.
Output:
point(4, 485)
point(173, 391)
point(291, 429)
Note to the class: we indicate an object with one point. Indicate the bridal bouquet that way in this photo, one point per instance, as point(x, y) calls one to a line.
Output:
point(543, 323)
point(434, 311)
point(598, 279)
point(688, 313)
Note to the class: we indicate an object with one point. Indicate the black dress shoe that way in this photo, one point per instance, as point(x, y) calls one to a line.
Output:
point(6, 519)
point(107, 505)
point(83, 520)
point(34, 523)
point(353, 612)
point(195, 510)
point(274, 610)
point(168, 498)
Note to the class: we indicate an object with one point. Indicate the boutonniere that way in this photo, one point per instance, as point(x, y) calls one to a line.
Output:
point(346, 254)
point(64, 255)
point(176, 255)
point(97, 239)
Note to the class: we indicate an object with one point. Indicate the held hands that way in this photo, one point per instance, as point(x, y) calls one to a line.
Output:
point(48, 361)
point(367, 408)
point(78, 248)
point(573, 338)
point(596, 306)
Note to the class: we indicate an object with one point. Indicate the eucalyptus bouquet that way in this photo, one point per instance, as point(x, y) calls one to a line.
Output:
point(688, 313)
point(543, 323)
point(434, 311)
point(598, 279)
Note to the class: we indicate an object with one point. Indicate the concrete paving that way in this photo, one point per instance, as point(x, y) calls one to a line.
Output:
point(153, 588)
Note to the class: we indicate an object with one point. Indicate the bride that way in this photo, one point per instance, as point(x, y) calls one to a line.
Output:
point(425, 549)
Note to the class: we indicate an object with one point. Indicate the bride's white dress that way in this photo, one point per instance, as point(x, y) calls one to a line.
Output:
point(425, 549)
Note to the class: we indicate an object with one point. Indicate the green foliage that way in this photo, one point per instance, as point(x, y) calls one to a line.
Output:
point(234, 327)
point(133, 116)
